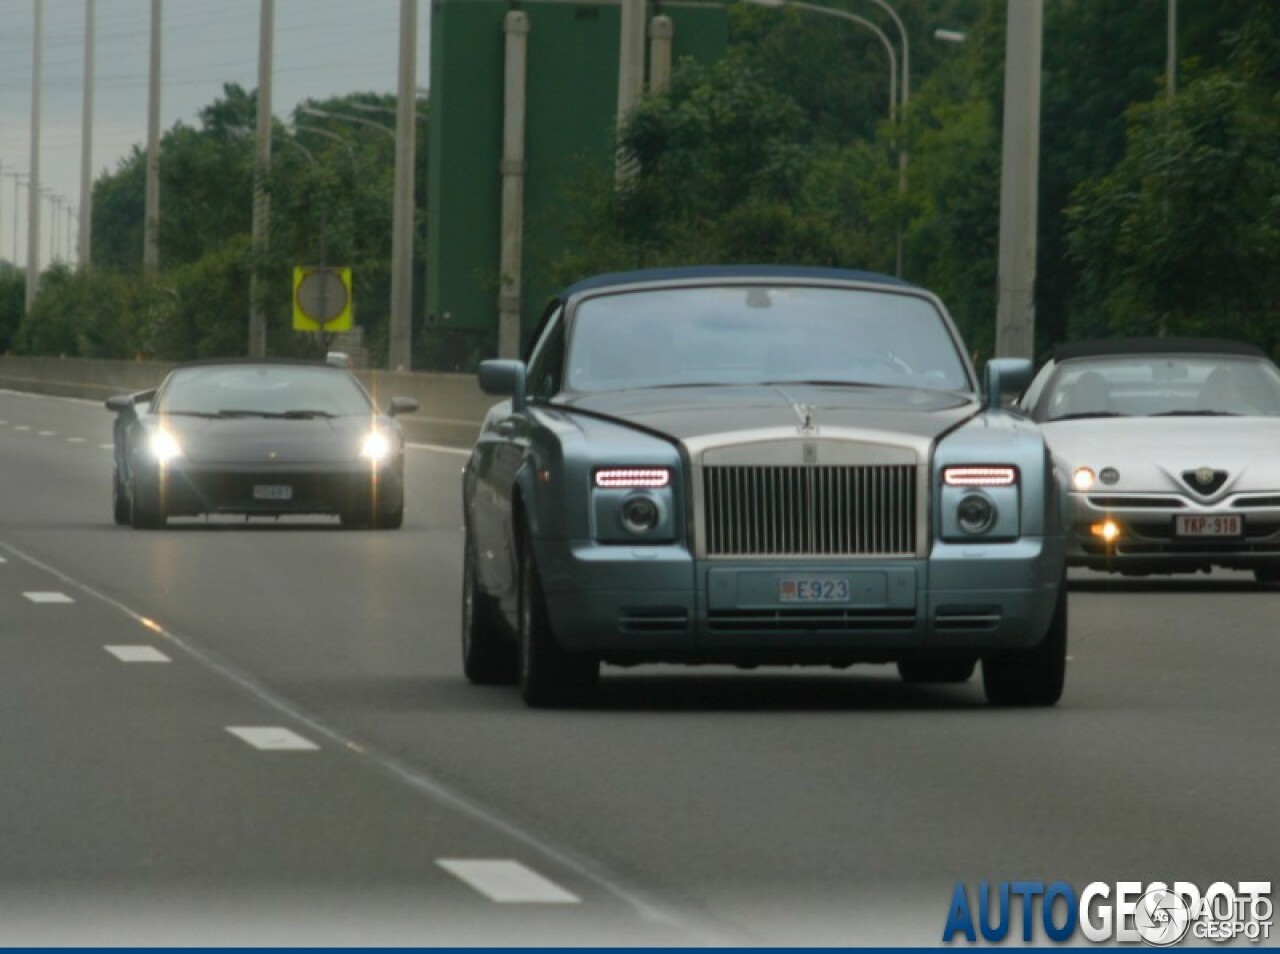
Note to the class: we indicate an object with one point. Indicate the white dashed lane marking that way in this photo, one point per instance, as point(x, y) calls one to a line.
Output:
point(507, 882)
point(37, 597)
point(75, 440)
point(21, 427)
point(48, 433)
point(272, 738)
point(137, 654)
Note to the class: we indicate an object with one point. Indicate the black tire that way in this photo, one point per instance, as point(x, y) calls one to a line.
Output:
point(489, 656)
point(391, 520)
point(1269, 573)
point(549, 676)
point(936, 670)
point(1031, 677)
point(146, 511)
point(121, 512)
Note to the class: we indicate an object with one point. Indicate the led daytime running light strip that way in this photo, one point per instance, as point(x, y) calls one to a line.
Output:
point(979, 476)
point(621, 477)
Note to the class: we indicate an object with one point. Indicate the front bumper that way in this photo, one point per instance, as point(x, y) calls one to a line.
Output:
point(186, 489)
point(1148, 541)
point(651, 604)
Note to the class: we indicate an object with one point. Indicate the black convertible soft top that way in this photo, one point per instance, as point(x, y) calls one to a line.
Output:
point(728, 273)
point(1107, 346)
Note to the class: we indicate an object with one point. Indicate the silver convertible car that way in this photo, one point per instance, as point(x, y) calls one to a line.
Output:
point(1173, 450)
point(759, 466)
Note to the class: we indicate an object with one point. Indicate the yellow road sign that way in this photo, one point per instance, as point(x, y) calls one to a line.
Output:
point(321, 298)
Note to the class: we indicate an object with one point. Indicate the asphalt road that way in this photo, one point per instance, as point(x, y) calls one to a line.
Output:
point(231, 732)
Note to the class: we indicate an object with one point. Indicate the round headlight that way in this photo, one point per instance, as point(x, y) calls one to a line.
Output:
point(639, 514)
point(976, 514)
point(1083, 478)
point(164, 446)
point(377, 447)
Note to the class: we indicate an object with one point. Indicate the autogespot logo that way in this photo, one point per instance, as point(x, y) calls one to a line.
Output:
point(1127, 912)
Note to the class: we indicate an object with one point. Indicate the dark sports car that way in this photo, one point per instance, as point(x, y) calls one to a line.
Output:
point(756, 466)
point(258, 438)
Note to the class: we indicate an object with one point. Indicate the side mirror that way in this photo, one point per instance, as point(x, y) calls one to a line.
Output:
point(402, 405)
point(504, 378)
point(1004, 376)
point(121, 404)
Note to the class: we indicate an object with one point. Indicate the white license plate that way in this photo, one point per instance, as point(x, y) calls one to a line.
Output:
point(813, 589)
point(1210, 525)
point(272, 492)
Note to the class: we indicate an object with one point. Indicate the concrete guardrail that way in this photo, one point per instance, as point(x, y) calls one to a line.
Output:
point(450, 406)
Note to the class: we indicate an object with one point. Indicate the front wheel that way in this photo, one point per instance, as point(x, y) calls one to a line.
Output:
point(549, 676)
point(147, 509)
point(1031, 677)
point(120, 509)
point(489, 657)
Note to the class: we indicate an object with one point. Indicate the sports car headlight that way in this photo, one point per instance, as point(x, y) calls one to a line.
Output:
point(377, 447)
point(164, 446)
point(1083, 478)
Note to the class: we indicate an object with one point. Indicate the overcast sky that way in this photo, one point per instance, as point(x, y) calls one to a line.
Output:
point(322, 48)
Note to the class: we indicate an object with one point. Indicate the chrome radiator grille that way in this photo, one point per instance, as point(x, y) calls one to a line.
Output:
point(810, 510)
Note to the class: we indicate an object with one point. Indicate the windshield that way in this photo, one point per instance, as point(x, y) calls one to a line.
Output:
point(754, 334)
point(1154, 385)
point(263, 390)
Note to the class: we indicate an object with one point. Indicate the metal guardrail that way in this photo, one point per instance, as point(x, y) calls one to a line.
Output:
point(450, 406)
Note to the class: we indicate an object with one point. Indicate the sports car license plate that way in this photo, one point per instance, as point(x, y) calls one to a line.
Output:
point(813, 589)
point(272, 492)
point(1209, 525)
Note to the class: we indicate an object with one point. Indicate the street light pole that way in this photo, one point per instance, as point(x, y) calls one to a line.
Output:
point(261, 174)
point(1019, 181)
point(400, 340)
point(151, 218)
point(33, 186)
point(83, 239)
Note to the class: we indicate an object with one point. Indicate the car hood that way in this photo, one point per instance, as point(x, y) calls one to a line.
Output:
point(275, 441)
point(1151, 453)
point(688, 414)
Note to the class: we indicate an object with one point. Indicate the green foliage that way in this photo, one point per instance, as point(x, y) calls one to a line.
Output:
point(13, 290)
point(1153, 215)
point(1183, 235)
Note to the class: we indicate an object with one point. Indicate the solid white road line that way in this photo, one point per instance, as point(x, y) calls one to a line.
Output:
point(48, 597)
point(507, 882)
point(272, 737)
point(137, 654)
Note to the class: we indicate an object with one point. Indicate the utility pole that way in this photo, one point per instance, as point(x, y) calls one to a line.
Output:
point(33, 180)
point(83, 241)
point(400, 351)
point(1171, 58)
point(151, 221)
point(511, 238)
point(630, 57)
point(261, 177)
point(1019, 181)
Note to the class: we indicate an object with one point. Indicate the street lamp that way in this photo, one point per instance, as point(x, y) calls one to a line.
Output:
point(325, 114)
point(853, 18)
point(893, 70)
